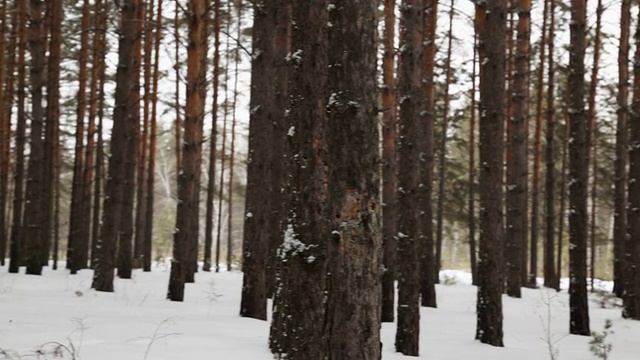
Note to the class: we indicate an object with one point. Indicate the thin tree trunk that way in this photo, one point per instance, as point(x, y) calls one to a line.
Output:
point(537, 157)
point(7, 60)
point(516, 230)
point(177, 66)
point(390, 165)
point(16, 252)
point(122, 132)
point(208, 240)
point(563, 186)
point(143, 144)
point(578, 174)
point(53, 124)
point(620, 177)
point(631, 297)
point(185, 239)
point(472, 168)
point(551, 279)
point(147, 243)
point(491, 37)
point(443, 144)
point(591, 137)
point(77, 216)
point(233, 142)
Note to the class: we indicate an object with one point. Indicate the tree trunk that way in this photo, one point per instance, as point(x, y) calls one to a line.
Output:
point(578, 174)
point(389, 165)
point(34, 214)
point(551, 279)
point(472, 169)
point(265, 111)
point(516, 196)
point(563, 185)
point(631, 309)
point(208, 240)
point(620, 176)
point(7, 66)
point(491, 36)
point(411, 92)
point(122, 132)
point(344, 321)
point(537, 158)
point(591, 138)
point(16, 252)
point(429, 264)
point(147, 242)
point(185, 238)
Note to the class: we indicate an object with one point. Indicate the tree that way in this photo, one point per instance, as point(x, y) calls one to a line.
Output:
point(77, 217)
point(123, 130)
point(491, 37)
point(389, 164)
point(537, 157)
point(551, 278)
point(429, 263)
point(5, 129)
point(410, 92)
point(620, 197)
point(332, 241)
point(16, 252)
point(35, 232)
point(471, 216)
point(516, 197)
point(185, 238)
point(578, 174)
point(631, 296)
point(268, 88)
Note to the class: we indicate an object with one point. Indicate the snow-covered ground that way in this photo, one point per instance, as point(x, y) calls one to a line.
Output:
point(136, 322)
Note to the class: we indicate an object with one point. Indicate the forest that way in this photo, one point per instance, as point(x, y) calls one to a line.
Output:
point(322, 179)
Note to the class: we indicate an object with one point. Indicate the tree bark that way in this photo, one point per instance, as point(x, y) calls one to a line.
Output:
point(410, 92)
point(578, 174)
point(472, 169)
point(267, 86)
point(551, 279)
point(491, 36)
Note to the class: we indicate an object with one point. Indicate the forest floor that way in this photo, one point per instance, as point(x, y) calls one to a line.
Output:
point(44, 316)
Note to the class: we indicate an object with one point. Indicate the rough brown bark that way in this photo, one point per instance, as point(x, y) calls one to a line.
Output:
point(113, 207)
point(620, 173)
point(491, 36)
point(578, 174)
point(516, 196)
point(550, 277)
point(410, 92)
point(330, 259)
point(35, 213)
point(267, 93)
point(185, 237)
point(631, 296)
point(389, 165)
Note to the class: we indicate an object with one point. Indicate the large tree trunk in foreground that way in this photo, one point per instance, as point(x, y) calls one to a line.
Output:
point(331, 243)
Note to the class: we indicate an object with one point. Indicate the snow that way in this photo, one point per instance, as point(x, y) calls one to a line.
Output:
point(136, 318)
